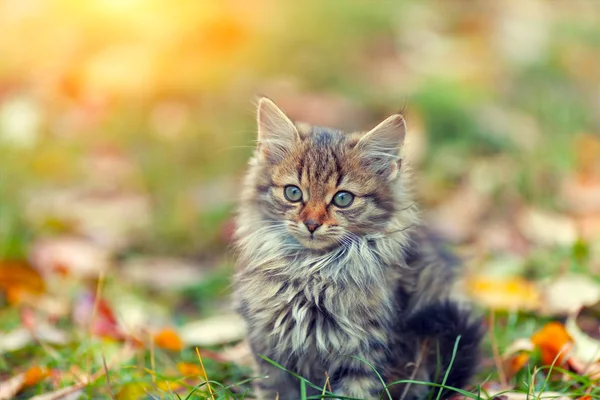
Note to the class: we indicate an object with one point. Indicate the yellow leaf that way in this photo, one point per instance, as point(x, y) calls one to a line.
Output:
point(504, 294)
point(168, 339)
point(169, 386)
point(132, 391)
point(189, 369)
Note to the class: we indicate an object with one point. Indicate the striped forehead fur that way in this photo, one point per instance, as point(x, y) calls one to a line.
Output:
point(320, 154)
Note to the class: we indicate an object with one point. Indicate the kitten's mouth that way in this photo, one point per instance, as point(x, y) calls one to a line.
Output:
point(315, 242)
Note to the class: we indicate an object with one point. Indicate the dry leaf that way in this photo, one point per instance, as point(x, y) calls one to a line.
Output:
point(190, 369)
point(69, 393)
point(132, 391)
point(104, 322)
point(584, 327)
point(10, 387)
point(568, 293)
point(212, 331)
point(19, 281)
point(582, 194)
point(163, 273)
point(546, 228)
point(516, 363)
point(517, 355)
point(21, 337)
point(168, 339)
point(35, 374)
point(554, 343)
point(112, 219)
point(69, 255)
point(504, 294)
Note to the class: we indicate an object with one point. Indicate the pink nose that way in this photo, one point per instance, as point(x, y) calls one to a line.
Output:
point(312, 225)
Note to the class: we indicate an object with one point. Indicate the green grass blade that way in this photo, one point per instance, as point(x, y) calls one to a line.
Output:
point(378, 375)
point(449, 367)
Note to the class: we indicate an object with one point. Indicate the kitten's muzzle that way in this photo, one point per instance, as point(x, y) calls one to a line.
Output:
point(312, 225)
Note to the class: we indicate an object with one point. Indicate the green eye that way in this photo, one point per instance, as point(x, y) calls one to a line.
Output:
point(343, 199)
point(292, 193)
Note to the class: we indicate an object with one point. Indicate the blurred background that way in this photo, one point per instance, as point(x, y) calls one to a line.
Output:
point(126, 125)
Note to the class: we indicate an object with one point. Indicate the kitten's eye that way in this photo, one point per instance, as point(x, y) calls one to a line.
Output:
point(343, 199)
point(292, 193)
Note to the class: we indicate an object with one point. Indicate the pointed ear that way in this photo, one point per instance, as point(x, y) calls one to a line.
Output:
point(276, 133)
point(380, 147)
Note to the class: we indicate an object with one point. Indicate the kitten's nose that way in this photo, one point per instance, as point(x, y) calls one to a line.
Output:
point(312, 225)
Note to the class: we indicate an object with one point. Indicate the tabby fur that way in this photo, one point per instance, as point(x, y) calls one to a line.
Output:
point(370, 286)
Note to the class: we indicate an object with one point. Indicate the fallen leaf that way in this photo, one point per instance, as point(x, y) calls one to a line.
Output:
point(10, 387)
point(504, 294)
point(112, 219)
point(190, 369)
point(582, 195)
point(568, 293)
point(517, 355)
point(21, 337)
point(35, 374)
point(518, 346)
point(69, 393)
point(212, 331)
point(546, 228)
point(516, 363)
point(162, 273)
point(132, 391)
point(170, 386)
point(104, 323)
point(21, 119)
point(554, 343)
point(20, 281)
point(584, 327)
point(168, 339)
point(69, 255)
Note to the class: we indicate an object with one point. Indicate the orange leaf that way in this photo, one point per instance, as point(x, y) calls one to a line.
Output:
point(554, 343)
point(586, 397)
point(19, 280)
point(517, 362)
point(189, 369)
point(168, 339)
point(35, 375)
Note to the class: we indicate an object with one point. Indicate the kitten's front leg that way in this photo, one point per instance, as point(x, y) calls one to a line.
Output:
point(278, 384)
point(355, 378)
point(274, 383)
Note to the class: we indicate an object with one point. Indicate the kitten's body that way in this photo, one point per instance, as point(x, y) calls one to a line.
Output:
point(359, 289)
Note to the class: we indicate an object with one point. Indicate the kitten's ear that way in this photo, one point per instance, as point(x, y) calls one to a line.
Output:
point(380, 147)
point(276, 133)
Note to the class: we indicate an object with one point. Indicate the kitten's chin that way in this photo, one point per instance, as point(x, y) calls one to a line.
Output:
point(316, 243)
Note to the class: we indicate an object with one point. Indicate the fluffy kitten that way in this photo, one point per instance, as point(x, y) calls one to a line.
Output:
point(334, 268)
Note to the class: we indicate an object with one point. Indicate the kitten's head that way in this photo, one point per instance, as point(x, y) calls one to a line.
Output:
point(325, 186)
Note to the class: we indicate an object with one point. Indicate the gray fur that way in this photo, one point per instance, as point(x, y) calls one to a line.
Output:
point(312, 309)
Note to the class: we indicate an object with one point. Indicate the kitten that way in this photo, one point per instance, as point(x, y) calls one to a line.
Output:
point(335, 269)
